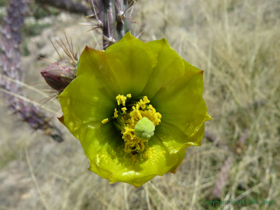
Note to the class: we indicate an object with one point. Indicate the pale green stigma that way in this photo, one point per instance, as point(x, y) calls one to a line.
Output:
point(144, 129)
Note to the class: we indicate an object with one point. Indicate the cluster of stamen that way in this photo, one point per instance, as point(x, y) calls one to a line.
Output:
point(128, 118)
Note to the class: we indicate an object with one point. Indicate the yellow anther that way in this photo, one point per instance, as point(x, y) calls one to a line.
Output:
point(128, 134)
point(142, 104)
point(141, 109)
point(128, 121)
point(116, 113)
point(118, 98)
point(146, 100)
point(158, 115)
point(135, 113)
point(121, 99)
point(105, 120)
point(150, 107)
point(124, 110)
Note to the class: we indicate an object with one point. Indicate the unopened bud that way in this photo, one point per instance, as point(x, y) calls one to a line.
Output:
point(59, 75)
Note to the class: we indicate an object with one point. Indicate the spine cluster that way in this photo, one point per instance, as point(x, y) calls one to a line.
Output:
point(112, 18)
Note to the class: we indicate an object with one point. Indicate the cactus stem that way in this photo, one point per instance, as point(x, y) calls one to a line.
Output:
point(26, 109)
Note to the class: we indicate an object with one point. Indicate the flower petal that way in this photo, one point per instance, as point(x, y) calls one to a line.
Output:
point(195, 140)
point(93, 63)
point(169, 68)
point(87, 99)
point(173, 138)
point(103, 146)
point(175, 88)
point(131, 61)
point(182, 104)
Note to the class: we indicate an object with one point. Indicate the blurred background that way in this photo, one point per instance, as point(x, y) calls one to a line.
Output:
point(235, 42)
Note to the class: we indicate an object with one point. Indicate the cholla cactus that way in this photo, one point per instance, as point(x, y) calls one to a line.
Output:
point(134, 106)
point(10, 64)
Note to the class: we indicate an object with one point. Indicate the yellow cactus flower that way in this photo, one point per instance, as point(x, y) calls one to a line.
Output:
point(135, 108)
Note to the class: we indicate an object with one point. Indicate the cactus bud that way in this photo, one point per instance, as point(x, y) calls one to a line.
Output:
point(58, 75)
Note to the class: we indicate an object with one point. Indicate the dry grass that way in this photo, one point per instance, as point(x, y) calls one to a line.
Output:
point(237, 43)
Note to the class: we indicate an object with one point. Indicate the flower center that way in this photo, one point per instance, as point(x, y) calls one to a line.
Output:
point(136, 120)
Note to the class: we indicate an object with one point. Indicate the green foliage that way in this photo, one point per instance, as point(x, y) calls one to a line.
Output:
point(34, 29)
point(24, 49)
point(41, 12)
point(4, 3)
